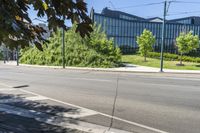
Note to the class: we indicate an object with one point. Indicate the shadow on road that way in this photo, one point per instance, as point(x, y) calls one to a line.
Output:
point(32, 116)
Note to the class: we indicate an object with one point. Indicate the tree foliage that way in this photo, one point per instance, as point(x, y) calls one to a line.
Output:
point(93, 51)
point(187, 42)
point(16, 27)
point(145, 42)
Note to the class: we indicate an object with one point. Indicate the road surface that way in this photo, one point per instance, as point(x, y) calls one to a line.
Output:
point(164, 102)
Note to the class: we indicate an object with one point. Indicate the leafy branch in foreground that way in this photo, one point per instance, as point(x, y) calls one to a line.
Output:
point(16, 27)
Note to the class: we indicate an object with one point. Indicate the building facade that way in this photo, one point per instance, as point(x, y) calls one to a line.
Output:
point(124, 29)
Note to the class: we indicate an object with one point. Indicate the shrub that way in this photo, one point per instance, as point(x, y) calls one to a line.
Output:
point(96, 51)
point(174, 57)
point(127, 49)
point(194, 53)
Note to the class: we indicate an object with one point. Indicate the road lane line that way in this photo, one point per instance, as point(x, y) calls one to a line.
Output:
point(23, 99)
point(5, 85)
point(165, 77)
point(177, 78)
point(7, 89)
point(117, 118)
point(58, 121)
point(36, 98)
point(81, 113)
point(89, 79)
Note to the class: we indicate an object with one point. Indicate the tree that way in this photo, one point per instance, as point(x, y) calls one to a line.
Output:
point(186, 43)
point(16, 27)
point(145, 42)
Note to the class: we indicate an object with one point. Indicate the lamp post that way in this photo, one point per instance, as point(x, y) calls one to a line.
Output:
point(63, 41)
point(17, 54)
point(63, 45)
point(4, 54)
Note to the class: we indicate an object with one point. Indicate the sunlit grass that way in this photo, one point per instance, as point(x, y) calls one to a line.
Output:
point(139, 60)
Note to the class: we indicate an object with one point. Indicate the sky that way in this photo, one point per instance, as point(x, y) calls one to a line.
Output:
point(177, 10)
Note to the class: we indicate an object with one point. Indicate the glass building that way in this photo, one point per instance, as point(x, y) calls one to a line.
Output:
point(124, 29)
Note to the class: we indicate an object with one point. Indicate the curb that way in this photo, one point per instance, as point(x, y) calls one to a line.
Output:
point(86, 69)
point(108, 69)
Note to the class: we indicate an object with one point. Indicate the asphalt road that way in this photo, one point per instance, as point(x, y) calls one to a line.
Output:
point(168, 102)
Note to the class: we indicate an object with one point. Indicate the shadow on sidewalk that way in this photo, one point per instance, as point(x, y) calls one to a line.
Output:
point(21, 122)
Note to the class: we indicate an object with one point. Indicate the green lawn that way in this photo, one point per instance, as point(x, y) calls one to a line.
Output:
point(139, 60)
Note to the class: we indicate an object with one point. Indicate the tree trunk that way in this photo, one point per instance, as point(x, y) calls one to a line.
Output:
point(145, 58)
point(181, 59)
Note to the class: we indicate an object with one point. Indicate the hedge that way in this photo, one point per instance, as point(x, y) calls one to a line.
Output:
point(173, 57)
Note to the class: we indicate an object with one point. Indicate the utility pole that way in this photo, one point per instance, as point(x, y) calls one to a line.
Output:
point(63, 44)
point(163, 36)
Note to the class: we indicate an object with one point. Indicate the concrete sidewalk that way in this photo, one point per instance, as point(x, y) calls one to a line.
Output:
point(127, 68)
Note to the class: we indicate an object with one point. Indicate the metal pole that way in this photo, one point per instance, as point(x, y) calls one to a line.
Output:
point(163, 36)
point(7, 54)
point(4, 54)
point(17, 54)
point(63, 45)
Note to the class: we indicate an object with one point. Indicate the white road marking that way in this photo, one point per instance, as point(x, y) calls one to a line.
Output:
point(21, 99)
point(36, 98)
point(5, 85)
point(7, 89)
point(81, 113)
point(117, 118)
point(177, 78)
point(100, 80)
point(83, 108)
point(58, 121)
point(191, 79)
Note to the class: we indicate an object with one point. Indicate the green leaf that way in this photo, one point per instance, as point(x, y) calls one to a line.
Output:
point(38, 45)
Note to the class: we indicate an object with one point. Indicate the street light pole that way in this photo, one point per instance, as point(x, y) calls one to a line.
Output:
point(163, 36)
point(4, 54)
point(63, 44)
point(17, 55)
